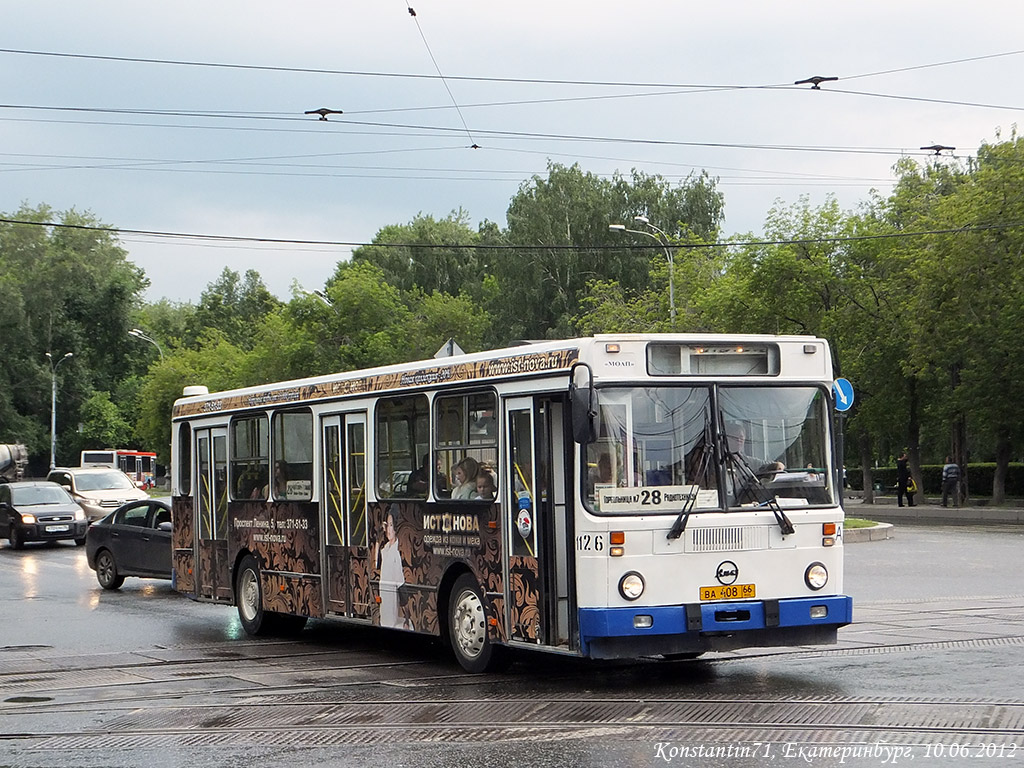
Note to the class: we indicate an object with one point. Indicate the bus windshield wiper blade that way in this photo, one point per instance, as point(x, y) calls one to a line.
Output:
point(738, 461)
point(691, 500)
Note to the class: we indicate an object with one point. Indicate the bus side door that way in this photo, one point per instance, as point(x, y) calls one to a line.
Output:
point(537, 524)
point(211, 510)
point(343, 516)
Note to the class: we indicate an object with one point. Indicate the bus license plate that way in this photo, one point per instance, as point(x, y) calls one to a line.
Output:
point(731, 592)
point(57, 528)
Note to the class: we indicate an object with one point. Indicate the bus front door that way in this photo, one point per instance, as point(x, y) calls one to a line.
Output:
point(343, 515)
point(536, 522)
point(211, 510)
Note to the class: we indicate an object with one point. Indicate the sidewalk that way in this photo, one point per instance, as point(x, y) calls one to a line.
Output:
point(885, 509)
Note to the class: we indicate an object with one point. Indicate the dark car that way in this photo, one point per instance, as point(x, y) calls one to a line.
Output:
point(35, 510)
point(133, 540)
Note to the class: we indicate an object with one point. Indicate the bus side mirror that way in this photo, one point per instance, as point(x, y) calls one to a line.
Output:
point(584, 415)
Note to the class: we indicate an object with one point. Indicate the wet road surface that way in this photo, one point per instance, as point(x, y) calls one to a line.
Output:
point(930, 674)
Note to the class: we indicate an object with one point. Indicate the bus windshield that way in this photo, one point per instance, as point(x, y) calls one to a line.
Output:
point(711, 447)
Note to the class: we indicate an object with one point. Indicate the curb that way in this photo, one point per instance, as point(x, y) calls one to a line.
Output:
point(936, 514)
point(879, 532)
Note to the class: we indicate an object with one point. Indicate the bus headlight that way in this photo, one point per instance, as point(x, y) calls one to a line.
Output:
point(816, 576)
point(631, 585)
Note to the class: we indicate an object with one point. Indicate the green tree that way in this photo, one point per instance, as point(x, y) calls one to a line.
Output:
point(427, 254)
point(215, 363)
point(66, 288)
point(561, 225)
point(104, 424)
point(969, 307)
point(235, 306)
point(439, 317)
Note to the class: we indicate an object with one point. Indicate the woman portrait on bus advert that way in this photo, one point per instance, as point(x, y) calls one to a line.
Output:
point(389, 559)
point(464, 478)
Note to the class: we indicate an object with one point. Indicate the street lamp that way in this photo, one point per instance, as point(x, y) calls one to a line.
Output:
point(668, 254)
point(318, 294)
point(140, 335)
point(53, 405)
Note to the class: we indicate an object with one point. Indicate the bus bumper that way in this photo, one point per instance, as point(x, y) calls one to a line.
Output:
point(607, 633)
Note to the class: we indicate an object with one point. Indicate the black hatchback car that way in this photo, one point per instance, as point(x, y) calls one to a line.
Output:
point(133, 540)
point(37, 510)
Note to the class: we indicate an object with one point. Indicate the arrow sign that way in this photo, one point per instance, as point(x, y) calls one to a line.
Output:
point(843, 392)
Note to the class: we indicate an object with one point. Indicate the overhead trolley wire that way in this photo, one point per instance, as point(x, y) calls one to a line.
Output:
point(970, 228)
point(929, 66)
point(437, 67)
point(523, 135)
point(364, 73)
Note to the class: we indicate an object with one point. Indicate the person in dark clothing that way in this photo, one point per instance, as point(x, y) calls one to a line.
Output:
point(950, 481)
point(903, 481)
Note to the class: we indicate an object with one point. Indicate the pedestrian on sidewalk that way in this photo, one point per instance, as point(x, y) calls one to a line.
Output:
point(950, 482)
point(904, 483)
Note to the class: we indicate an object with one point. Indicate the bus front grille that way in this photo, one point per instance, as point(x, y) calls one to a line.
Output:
point(731, 539)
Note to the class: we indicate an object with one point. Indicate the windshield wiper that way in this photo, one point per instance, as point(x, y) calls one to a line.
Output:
point(738, 461)
point(691, 500)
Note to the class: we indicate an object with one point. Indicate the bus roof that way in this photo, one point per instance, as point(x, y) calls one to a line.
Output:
point(528, 359)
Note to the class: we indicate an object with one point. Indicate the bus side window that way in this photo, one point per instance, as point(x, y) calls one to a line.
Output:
point(466, 447)
point(293, 455)
point(401, 446)
point(184, 462)
point(250, 459)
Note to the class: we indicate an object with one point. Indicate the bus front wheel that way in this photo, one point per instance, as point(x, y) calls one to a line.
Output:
point(467, 628)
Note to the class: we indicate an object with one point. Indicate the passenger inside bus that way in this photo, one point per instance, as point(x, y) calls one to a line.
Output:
point(747, 473)
point(485, 486)
point(419, 479)
point(251, 481)
point(464, 478)
point(280, 483)
point(600, 475)
point(739, 447)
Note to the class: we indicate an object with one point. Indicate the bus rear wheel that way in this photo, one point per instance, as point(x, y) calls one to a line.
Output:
point(467, 628)
point(249, 598)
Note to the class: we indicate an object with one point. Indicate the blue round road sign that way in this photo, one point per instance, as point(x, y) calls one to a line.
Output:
point(843, 392)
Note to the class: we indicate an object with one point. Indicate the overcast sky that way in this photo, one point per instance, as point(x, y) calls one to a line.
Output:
point(186, 147)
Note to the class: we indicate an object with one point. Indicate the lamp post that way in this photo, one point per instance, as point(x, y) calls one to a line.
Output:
point(668, 254)
point(135, 332)
point(53, 405)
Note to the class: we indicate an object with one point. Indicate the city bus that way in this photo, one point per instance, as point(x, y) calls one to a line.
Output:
point(140, 466)
point(613, 497)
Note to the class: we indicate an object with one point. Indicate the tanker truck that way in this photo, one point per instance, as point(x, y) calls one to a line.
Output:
point(13, 460)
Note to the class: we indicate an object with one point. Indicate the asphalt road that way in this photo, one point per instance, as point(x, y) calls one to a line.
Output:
point(143, 677)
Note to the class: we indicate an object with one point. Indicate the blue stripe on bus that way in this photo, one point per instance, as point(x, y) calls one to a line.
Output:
point(715, 617)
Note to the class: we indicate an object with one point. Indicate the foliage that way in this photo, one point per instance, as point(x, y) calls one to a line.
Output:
point(233, 305)
point(63, 289)
point(427, 254)
point(561, 225)
point(215, 362)
point(917, 291)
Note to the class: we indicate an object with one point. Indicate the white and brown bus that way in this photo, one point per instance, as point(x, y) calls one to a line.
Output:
point(608, 497)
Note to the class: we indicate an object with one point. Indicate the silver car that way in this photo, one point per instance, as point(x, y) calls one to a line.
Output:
point(98, 490)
